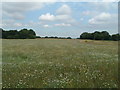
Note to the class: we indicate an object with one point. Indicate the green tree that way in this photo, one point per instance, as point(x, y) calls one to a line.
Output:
point(105, 35)
point(116, 37)
point(86, 35)
point(27, 34)
point(22, 34)
point(97, 35)
point(69, 38)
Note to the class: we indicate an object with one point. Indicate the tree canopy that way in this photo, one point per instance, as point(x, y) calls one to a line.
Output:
point(22, 34)
point(30, 34)
point(104, 35)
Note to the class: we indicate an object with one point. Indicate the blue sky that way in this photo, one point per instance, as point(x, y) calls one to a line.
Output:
point(61, 18)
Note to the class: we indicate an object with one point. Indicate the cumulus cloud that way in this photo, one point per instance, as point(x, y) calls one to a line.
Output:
point(15, 15)
point(104, 21)
point(64, 9)
point(11, 23)
point(51, 1)
point(60, 0)
point(103, 18)
point(18, 24)
point(46, 26)
point(50, 17)
point(62, 24)
point(102, 6)
point(17, 10)
point(7, 22)
point(90, 13)
point(47, 17)
point(110, 0)
point(63, 15)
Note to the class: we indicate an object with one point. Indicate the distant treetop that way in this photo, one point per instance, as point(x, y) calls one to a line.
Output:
point(22, 34)
point(104, 35)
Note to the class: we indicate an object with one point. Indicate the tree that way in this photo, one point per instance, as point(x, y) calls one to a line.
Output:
point(69, 38)
point(105, 35)
point(27, 34)
point(97, 35)
point(32, 32)
point(56, 37)
point(22, 34)
point(116, 37)
point(86, 35)
point(46, 36)
point(1, 32)
point(38, 37)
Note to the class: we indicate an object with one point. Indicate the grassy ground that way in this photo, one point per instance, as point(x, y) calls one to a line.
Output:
point(0, 63)
point(55, 63)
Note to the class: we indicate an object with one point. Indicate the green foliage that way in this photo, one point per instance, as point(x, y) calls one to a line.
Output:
point(69, 38)
point(116, 37)
point(46, 36)
point(38, 37)
point(104, 35)
point(86, 35)
point(97, 36)
point(22, 34)
point(30, 34)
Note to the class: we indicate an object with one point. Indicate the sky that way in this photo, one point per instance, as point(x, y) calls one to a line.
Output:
point(61, 19)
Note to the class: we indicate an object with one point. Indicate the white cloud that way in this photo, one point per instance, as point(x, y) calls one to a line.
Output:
point(15, 15)
point(103, 18)
point(11, 23)
point(50, 17)
point(110, 0)
point(46, 26)
point(7, 22)
point(63, 14)
point(104, 21)
point(62, 17)
point(17, 24)
point(90, 13)
point(102, 6)
point(65, 18)
point(17, 10)
point(60, 0)
point(64, 9)
point(51, 1)
point(63, 24)
point(47, 17)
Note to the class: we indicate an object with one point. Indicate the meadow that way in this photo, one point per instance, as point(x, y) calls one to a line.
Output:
point(59, 63)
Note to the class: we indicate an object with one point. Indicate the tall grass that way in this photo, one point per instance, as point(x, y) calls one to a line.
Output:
point(55, 63)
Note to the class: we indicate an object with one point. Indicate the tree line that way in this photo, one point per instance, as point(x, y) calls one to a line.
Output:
point(104, 35)
point(30, 34)
point(25, 34)
point(22, 34)
point(54, 37)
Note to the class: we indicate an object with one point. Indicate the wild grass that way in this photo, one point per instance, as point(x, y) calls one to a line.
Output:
point(57, 63)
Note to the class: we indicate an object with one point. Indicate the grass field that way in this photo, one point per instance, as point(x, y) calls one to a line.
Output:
point(57, 63)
